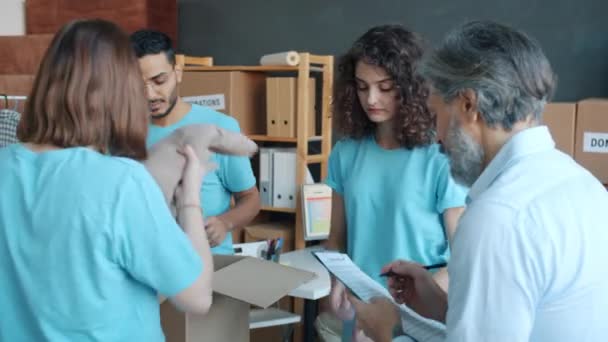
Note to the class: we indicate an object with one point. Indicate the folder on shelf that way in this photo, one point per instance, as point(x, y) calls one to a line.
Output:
point(265, 181)
point(277, 178)
point(282, 106)
point(273, 105)
point(284, 178)
point(288, 106)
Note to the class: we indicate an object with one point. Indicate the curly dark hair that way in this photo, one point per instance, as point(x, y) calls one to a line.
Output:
point(396, 50)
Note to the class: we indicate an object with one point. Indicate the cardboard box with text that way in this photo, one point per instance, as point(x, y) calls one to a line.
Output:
point(560, 117)
point(591, 146)
point(239, 94)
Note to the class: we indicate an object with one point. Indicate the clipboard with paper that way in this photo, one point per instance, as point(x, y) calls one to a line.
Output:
point(365, 288)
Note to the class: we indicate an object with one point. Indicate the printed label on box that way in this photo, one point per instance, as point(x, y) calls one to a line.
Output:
point(595, 142)
point(214, 101)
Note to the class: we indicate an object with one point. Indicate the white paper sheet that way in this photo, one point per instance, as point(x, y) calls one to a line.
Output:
point(361, 285)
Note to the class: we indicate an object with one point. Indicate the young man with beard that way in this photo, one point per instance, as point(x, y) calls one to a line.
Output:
point(528, 255)
point(233, 176)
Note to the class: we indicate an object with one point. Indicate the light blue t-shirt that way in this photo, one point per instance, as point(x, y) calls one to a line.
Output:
point(86, 243)
point(394, 201)
point(233, 173)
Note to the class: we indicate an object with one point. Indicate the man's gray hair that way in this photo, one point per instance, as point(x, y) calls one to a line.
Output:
point(505, 68)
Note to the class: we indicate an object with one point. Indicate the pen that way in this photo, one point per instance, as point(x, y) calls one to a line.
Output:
point(278, 245)
point(277, 249)
point(270, 251)
point(428, 267)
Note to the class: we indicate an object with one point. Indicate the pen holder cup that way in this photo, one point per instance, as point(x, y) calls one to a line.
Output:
point(274, 258)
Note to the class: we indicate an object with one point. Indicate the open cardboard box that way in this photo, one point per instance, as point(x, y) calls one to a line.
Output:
point(238, 282)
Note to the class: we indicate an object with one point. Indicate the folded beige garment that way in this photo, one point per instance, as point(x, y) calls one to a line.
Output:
point(166, 164)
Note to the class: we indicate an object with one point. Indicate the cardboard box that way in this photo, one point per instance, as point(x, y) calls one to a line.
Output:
point(236, 93)
point(561, 120)
point(47, 16)
point(282, 106)
point(271, 230)
point(591, 146)
point(238, 282)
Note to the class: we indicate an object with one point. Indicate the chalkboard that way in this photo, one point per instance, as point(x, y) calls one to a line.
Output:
point(574, 34)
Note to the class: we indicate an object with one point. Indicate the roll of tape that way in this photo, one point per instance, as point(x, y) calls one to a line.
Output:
point(289, 58)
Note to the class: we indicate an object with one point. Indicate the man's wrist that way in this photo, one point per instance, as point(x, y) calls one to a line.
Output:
point(397, 326)
point(443, 307)
point(397, 330)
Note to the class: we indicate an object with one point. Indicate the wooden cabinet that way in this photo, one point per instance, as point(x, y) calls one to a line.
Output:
point(311, 66)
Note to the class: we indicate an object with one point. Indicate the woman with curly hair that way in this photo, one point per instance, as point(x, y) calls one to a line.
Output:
point(393, 194)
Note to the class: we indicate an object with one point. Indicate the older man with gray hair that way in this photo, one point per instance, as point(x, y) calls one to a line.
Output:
point(528, 259)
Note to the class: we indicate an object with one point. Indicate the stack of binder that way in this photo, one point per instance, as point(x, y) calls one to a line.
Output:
point(278, 185)
point(281, 107)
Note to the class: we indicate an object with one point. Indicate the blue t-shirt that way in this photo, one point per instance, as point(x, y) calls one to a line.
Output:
point(86, 243)
point(394, 201)
point(233, 173)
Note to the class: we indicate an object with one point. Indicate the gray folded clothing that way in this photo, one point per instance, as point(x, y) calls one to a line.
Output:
point(165, 164)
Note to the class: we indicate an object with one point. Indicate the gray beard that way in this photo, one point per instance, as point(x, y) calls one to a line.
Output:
point(466, 155)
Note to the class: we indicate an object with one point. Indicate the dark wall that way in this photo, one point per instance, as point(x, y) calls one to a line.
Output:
point(574, 34)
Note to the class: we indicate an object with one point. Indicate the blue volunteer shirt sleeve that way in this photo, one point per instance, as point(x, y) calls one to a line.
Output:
point(149, 244)
point(449, 193)
point(334, 170)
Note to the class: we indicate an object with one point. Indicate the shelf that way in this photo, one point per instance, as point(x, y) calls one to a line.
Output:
point(315, 158)
point(262, 68)
point(321, 68)
point(258, 68)
point(279, 210)
point(264, 318)
point(267, 138)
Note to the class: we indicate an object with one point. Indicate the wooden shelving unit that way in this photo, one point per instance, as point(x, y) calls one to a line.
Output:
point(322, 68)
point(278, 210)
point(266, 138)
point(262, 68)
point(308, 64)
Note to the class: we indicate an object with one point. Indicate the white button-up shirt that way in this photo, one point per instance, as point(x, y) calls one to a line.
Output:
point(530, 253)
